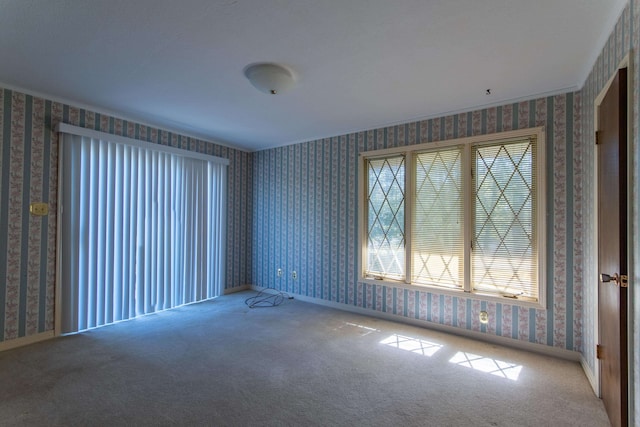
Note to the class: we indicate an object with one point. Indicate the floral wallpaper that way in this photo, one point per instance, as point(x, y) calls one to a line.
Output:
point(294, 207)
point(29, 173)
point(305, 219)
point(623, 40)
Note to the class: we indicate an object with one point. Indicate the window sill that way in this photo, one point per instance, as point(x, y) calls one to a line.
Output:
point(454, 292)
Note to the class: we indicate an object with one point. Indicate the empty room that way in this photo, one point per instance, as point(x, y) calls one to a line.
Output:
point(274, 212)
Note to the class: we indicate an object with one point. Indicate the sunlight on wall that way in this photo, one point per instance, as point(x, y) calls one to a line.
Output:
point(414, 345)
point(495, 367)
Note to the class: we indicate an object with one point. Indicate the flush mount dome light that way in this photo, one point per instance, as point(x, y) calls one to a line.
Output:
point(269, 78)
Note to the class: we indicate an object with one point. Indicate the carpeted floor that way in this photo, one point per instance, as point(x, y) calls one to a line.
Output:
point(220, 363)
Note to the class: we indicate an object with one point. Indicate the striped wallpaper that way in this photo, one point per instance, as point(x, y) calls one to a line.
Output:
point(294, 208)
point(621, 41)
point(305, 219)
point(28, 173)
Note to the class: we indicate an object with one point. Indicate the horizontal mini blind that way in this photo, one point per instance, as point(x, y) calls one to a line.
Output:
point(437, 237)
point(504, 256)
point(385, 212)
point(143, 230)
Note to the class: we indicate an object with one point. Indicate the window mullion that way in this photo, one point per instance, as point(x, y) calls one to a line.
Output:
point(409, 206)
point(493, 223)
point(468, 210)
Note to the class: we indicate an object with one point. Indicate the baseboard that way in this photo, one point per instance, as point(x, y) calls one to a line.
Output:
point(590, 375)
point(235, 289)
point(560, 353)
point(31, 339)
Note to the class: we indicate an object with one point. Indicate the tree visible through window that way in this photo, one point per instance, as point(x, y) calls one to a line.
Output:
point(472, 219)
point(503, 258)
point(385, 243)
point(437, 233)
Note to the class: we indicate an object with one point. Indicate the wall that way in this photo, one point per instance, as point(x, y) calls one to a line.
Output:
point(305, 219)
point(623, 38)
point(28, 173)
point(301, 200)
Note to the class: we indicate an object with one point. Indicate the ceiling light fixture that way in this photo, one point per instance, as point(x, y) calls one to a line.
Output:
point(269, 78)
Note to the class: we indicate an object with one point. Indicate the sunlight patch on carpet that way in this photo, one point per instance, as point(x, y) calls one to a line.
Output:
point(362, 330)
point(414, 345)
point(491, 366)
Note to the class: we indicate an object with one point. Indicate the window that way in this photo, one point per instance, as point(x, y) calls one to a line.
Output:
point(385, 238)
point(437, 232)
point(464, 215)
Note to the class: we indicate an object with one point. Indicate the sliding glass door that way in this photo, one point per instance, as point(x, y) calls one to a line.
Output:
point(142, 228)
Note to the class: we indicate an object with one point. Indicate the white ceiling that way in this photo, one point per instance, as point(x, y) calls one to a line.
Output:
point(359, 64)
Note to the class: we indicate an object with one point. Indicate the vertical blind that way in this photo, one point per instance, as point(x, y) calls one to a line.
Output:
point(143, 230)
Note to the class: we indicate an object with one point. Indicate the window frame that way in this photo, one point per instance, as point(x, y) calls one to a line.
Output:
point(467, 143)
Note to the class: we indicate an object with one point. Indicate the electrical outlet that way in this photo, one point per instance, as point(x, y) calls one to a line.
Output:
point(39, 209)
point(294, 275)
point(279, 272)
point(484, 317)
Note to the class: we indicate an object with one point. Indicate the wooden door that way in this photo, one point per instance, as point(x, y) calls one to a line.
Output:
point(612, 249)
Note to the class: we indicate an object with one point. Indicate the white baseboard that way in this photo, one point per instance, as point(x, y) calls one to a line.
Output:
point(31, 339)
point(560, 353)
point(235, 289)
point(590, 375)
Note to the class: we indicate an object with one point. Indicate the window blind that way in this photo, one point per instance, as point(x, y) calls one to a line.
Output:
point(385, 212)
point(504, 256)
point(142, 230)
point(438, 223)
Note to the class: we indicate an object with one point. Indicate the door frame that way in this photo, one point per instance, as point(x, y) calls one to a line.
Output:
point(592, 274)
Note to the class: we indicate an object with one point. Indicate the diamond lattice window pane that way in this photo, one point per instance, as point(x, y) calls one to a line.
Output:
point(504, 256)
point(437, 233)
point(385, 227)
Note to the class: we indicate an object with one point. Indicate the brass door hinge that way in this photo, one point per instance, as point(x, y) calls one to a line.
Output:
point(598, 351)
point(598, 137)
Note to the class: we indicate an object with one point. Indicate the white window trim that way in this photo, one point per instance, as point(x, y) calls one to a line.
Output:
point(90, 133)
point(408, 151)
